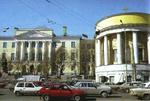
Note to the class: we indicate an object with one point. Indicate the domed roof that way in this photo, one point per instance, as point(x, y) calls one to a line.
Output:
point(125, 19)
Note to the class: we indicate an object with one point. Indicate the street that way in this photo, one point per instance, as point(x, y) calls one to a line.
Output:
point(6, 95)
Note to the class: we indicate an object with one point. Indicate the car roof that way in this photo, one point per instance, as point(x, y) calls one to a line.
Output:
point(56, 84)
point(25, 82)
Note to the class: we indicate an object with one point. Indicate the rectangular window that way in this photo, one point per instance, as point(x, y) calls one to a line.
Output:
point(12, 56)
point(25, 56)
point(33, 44)
point(20, 85)
point(40, 44)
point(63, 44)
point(4, 44)
point(54, 44)
point(40, 57)
point(72, 56)
point(73, 45)
point(33, 56)
point(13, 44)
point(26, 44)
point(30, 85)
point(111, 79)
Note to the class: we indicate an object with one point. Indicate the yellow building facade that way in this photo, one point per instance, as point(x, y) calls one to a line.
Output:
point(123, 48)
point(40, 51)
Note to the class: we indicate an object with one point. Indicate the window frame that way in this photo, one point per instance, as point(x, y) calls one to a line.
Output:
point(73, 44)
point(13, 45)
point(4, 44)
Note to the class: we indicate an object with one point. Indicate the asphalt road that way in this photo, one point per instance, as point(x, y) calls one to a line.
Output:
point(6, 95)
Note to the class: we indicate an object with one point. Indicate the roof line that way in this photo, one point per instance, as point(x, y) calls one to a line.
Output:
point(128, 13)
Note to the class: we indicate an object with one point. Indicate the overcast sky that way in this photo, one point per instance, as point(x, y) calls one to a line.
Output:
point(80, 16)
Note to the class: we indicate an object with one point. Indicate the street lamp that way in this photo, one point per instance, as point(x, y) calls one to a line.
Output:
point(125, 39)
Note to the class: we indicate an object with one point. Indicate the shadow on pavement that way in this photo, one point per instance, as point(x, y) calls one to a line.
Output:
point(2, 94)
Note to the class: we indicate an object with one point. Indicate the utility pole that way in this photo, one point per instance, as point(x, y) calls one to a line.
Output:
point(125, 43)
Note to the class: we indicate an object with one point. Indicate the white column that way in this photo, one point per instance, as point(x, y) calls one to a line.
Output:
point(43, 50)
point(97, 52)
point(148, 47)
point(119, 47)
point(135, 47)
point(49, 51)
point(29, 49)
point(16, 46)
point(36, 50)
point(105, 50)
point(22, 51)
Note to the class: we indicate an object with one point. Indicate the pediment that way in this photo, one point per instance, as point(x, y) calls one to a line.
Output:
point(32, 34)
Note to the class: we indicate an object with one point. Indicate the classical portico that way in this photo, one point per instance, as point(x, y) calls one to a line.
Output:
point(133, 45)
point(31, 46)
point(123, 48)
point(23, 50)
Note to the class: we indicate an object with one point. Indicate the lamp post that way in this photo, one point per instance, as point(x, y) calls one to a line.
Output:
point(125, 39)
point(133, 64)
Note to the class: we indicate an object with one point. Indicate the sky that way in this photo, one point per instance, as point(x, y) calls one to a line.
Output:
point(80, 16)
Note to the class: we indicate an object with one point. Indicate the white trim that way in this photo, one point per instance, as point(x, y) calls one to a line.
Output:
point(105, 50)
point(119, 47)
point(101, 34)
point(135, 47)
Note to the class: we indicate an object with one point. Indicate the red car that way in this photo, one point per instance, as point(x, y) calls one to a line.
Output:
point(61, 91)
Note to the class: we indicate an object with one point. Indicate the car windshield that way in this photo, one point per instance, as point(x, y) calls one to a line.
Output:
point(69, 87)
point(36, 85)
point(77, 84)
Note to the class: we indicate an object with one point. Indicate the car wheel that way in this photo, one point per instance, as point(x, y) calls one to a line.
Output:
point(77, 98)
point(46, 98)
point(17, 93)
point(146, 97)
point(104, 94)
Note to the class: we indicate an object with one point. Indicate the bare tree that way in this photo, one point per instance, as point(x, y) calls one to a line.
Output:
point(60, 61)
point(4, 63)
point(87, 63)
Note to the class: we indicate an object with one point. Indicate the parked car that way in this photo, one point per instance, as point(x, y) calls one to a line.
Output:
point(91, 88)
point(61, 91)
point(125, 87)
point(26, 88)
point(142, 92)
point(147, 84)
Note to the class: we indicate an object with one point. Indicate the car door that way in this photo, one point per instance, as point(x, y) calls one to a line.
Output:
point(19, 87)
point(83, 86)
point(54, 91)
point(91, 89)
point(65, 91)
point(29, 88)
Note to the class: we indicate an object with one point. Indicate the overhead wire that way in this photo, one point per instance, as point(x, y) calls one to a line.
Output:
point(69, 11)
point(49, 20)
point(60, 6)
point(74, 13)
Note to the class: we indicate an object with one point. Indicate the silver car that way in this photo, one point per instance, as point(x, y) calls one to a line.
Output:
point(91, 88)
point(143, 92)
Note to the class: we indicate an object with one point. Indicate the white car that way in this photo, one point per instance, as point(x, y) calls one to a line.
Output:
point(26, 88)
point(147, 84)
point(91, 88)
